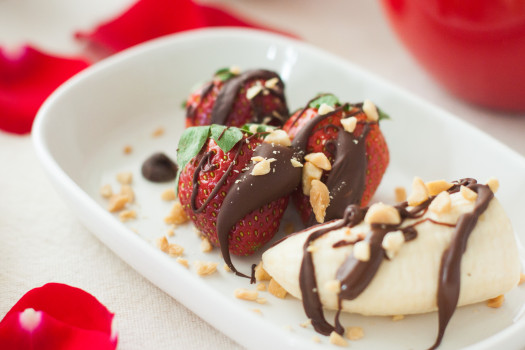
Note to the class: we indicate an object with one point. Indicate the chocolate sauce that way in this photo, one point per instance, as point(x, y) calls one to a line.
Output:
point(251, 192)
point(228, 94)
point(159, 168)
point(355, 275)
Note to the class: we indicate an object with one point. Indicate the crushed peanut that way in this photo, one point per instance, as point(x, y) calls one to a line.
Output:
point(333, 286)
point(396, 318)
point(257, 311)
point(468, 194)
point(380, 213)
point(271, 83)
point(278, 137)
point(245, 294)
point(261, 287)
point(441, 204)
point(235, 70)
point(106, 191)
point(319, 159)
point(436, 187)
point(419, 192)
point(493, 184)
point(349, 124)
point(177, 215)
point(401, 194)
point(127, 215)
point(175, 249)
point(316, 339)
point(354, 333)
point(183, 262)
point(261, 300)
point(496, 302)
point(206, 246)
point(162, 244)
point(117, 202)
point(126, 190)
point(257, 159)
point(275, 289)
point(226, 268)
point(205, 268)
point(370, 110)
point(158, 132)
point(296, 163)
point(392, 243)
point(168, 194)
point(261, 168)
point(337, 339)
point(306, 323)
point(261, 274)
point(325, 109)
point(254, 90)
point(170, 233)
point(310, 173)
point(319, 199)
point(125, 178)
point(127, 149)
point(522, 278)
point(311, 248)
point(362, 251)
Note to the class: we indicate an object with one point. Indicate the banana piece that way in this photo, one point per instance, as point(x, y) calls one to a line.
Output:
point(408, 282)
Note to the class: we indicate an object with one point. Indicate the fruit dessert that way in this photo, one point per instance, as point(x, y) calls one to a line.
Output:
point(344, 151)
point(235, 184)
point(449, 244)
point(234, 98)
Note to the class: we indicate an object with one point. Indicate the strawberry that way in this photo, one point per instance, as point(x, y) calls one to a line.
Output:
point(235, 209)
point(230, 98)
point(359, 158)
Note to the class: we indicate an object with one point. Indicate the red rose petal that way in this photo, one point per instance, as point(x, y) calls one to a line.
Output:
point(26, 80)
point(148, 19)
point(65, 318)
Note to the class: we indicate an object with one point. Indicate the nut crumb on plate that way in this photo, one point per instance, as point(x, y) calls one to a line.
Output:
point(354, 333)
point(106, 191)
point(183, 262)
point(496, 302)
point(175, 249)
point(206, 246)
point(127, 149)
point(261, 287)
point(245, 294)
point(127, 215)
point(168, 194)
point(205, 268)
point(126, 190)
point(117, 202)
point(177, 215)
point(275, 289)
point(125, 178)
point(337, 339)
point(158, 132)
point(398, 318)
point(163, 244)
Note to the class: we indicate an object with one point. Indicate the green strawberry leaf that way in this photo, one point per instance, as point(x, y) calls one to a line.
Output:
point(249, 127)
point(183, 104)
point(226, 137)
point(190, 144)
point(382, 115)
point(224, 74)
point(328, 99)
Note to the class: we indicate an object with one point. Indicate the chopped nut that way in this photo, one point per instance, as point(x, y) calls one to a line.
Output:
point(316, 339)
point(392, 242)
point(125, 178)
point(245, 294)
point(170, 233)
point(117, 202)
point(127, 149)
point(310, 172)
point(278, 137)
point(253, 128)
point(325, 109)
point(206, 246)
point(253, 90)
point(319, 199)
point(468, 194)
point(401, 194)
point(183, 262)
point(127, 215)
point(226, 268)
point(261, 300)
point(126, 190)
point(436, 187)
point(235, 70)
point(354, 333)
point(496, 302)
point(177, 215)
point(296, 163)
point(257, 311)
point(370, 110)
point(106, 191)
point(168, 194)
point(275, 289)
point(271, 83)
point(337, 339)
point(349, 124)
point(257, 159)
point(311, 248)
point(158, 132)
point(162, 244)
point(333, 286)
point(362, 251)
point(175, 249)
point(319, 159)
point(396, 318)
point(261, 168)
point(419, 192)
point(306, 323)
point(261, 287)
point(522, 278)
point(493, 184)
point(261, 274)
point(441, 204)
point(205, 268)
point(380, 213)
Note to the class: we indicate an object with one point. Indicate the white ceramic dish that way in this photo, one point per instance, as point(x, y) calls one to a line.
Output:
point(81, 130)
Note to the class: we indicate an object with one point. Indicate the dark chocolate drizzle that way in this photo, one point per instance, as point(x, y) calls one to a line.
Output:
point(228, 94)
point(355, 275)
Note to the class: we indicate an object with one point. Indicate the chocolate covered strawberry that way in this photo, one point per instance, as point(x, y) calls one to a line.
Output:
point(233, 98)
point(234, 186)
point(345, 156)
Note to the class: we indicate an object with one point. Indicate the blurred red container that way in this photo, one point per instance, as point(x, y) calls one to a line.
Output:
point(475, 48)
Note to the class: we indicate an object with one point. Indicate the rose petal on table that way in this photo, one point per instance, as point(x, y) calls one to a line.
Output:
point(149, 19)
point(27, 78)
point(58, 316)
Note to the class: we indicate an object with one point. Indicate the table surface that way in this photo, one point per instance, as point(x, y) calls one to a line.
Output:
point(41, 239)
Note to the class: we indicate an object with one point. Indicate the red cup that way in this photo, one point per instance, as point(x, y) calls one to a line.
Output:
point(474, 48)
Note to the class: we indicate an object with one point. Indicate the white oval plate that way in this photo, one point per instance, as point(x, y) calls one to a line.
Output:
point(81, 130)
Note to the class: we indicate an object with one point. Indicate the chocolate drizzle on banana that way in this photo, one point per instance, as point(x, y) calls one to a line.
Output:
point(355, 275)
